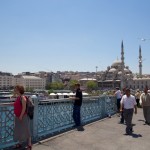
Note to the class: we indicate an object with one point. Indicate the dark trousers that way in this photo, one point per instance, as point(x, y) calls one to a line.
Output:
point(146, 112)
point(76, 115)
point(122, 117)
point(118, 104)
point(138, 102)
point(128, 114)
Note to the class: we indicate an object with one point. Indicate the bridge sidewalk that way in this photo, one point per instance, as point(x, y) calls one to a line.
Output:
point(105, 134)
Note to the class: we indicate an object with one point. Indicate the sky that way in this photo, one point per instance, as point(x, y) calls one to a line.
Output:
point(73, 35)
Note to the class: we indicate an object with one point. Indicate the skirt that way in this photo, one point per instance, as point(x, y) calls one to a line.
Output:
point(22, 129)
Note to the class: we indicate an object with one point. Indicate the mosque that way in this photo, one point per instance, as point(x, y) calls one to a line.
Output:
point(119, 75)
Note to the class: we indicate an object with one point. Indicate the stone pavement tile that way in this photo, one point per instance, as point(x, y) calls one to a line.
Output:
point(42, 147)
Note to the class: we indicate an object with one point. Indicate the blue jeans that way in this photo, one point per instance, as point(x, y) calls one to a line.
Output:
point(76, 115)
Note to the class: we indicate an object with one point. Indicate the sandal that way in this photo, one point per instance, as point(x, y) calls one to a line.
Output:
point(29, 147)
point(17, 146)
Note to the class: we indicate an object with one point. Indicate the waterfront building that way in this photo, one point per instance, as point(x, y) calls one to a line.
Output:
point(6, 80)
point(30, 82)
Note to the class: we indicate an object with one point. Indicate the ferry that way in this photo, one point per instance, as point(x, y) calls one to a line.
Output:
point(6, 96)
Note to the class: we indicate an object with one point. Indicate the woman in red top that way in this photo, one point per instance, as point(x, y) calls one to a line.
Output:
point(22, 129)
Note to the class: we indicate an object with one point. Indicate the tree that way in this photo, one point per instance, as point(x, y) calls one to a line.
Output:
point(50, 91)
point(57, 85)
point(72, 84)
point(28, 89)
point(48, 86)
point(91, 85)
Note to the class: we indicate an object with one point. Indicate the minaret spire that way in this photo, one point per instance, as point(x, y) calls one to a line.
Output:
point(122, 66)
point(140, 62)
point(122, 54)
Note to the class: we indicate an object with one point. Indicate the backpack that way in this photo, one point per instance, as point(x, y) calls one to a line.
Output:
point(29, 107)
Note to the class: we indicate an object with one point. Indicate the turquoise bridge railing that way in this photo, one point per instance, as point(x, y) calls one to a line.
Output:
point(54, 116)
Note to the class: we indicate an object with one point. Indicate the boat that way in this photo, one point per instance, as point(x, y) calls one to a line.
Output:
point(6, 96)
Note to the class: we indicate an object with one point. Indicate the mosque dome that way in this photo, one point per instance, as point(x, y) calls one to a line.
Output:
point(120, 72)
point(126, 70)
point(116, 63)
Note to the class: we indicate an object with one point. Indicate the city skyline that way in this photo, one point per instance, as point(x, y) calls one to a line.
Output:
point(67, 35)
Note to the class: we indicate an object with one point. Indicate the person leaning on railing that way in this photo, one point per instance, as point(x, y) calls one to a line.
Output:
point(118, 97)
point(77, 107)
point(21, 129)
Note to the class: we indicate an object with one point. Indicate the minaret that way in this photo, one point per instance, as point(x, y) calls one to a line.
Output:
point(140, 62)
point(122, 55)
point(122, 66)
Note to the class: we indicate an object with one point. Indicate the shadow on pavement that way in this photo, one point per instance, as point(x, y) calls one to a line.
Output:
point(134, 135)
point(141, 120)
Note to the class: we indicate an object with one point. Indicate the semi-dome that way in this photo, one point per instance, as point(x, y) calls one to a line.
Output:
point(116, 63)
point(112, 70)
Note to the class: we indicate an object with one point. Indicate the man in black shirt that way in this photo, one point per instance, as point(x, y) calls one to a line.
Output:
point(77, 105)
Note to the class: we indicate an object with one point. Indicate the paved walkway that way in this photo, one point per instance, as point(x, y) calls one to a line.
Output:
point(106, 134)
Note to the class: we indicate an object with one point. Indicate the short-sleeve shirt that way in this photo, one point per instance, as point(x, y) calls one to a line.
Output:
point(78, 95)
point(128, 102)
point(145, 99)
point(118, 94)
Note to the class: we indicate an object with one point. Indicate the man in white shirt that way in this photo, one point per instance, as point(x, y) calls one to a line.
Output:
point(128, 102)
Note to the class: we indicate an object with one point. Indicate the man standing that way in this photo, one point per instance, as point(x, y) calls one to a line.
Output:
point(118, 96)
point(137, 96)
point(128, 102)
point(122, 116)
point(77, 106)
point(145, 102)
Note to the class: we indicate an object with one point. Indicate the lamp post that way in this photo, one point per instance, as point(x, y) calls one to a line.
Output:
point(96, 71)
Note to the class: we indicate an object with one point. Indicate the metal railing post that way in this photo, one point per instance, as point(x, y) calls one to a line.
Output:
point(35, 119)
